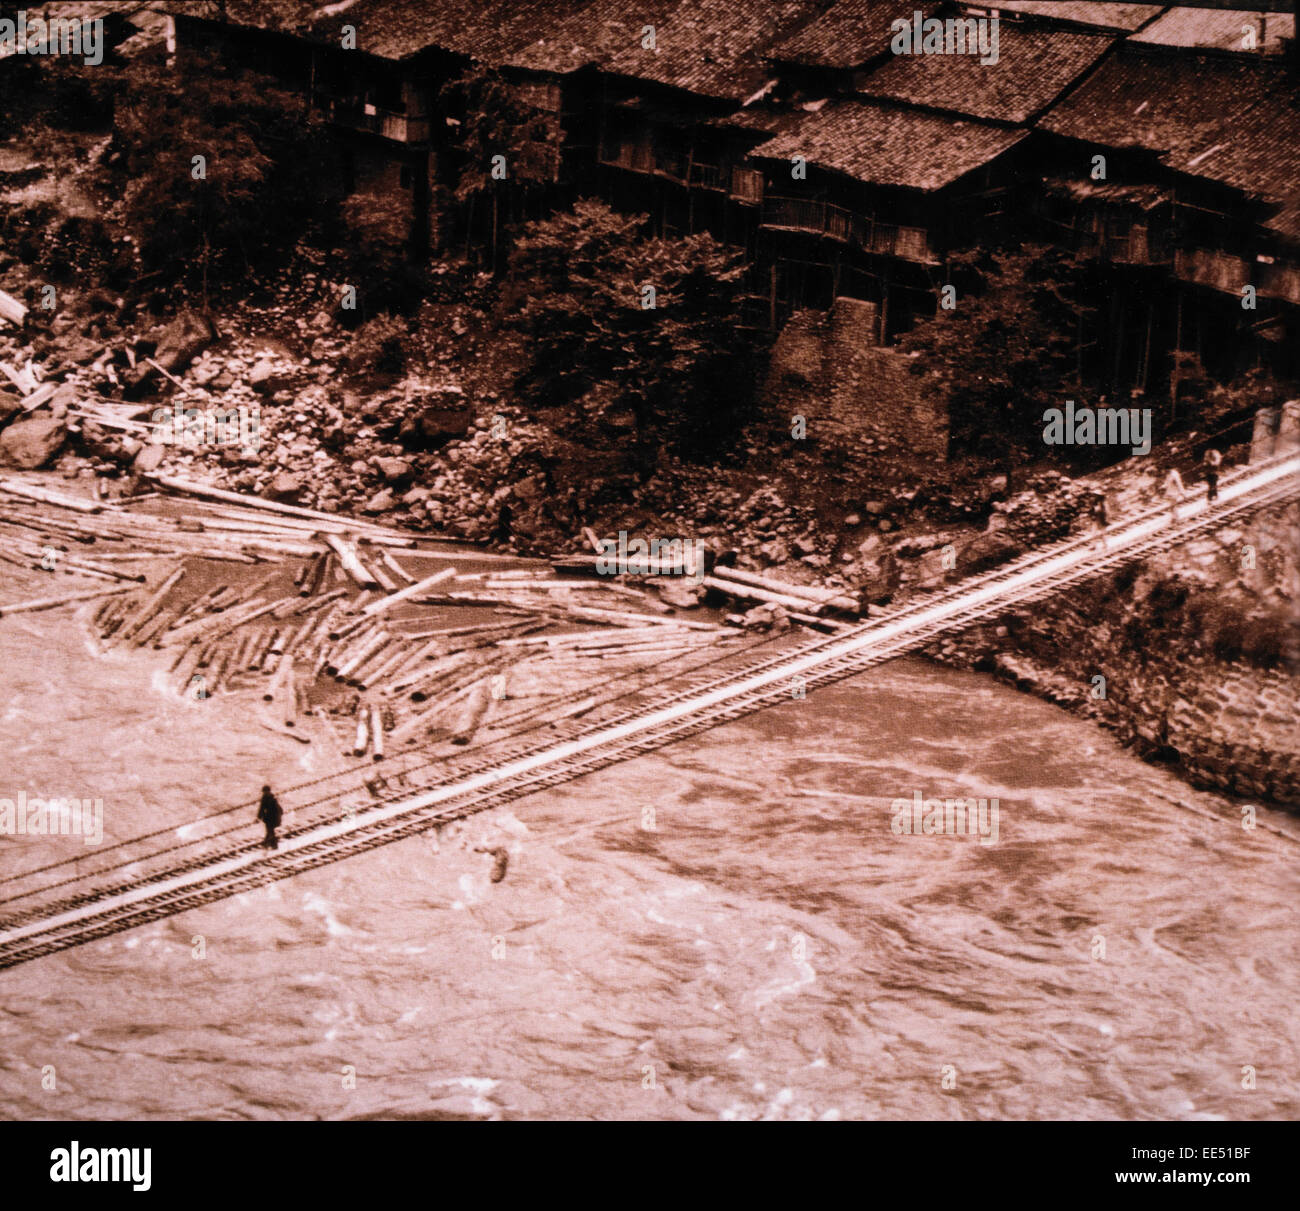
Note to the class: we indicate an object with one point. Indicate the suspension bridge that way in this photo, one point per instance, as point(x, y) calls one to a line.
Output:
point(68, 903)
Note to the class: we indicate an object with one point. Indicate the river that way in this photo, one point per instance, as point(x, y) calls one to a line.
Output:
point(769, 949)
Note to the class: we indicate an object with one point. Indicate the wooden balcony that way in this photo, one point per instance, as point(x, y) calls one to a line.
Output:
point(817, 218)
point(1208, 267)
point(634, 157)
point(358, 115)
point(837, 223)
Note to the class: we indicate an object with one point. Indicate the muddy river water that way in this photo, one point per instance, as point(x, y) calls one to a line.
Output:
point(770, 948)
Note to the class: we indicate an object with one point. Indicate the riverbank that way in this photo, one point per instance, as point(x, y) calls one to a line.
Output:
point(1191, 660)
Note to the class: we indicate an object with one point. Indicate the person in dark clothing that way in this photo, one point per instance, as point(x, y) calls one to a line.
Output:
point(1213, 459)
point(269, 813)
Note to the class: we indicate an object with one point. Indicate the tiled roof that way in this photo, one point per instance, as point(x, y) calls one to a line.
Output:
point(848, 34)
point(576, 33)
point(487, 30)
point(1035, 65)
point(887, 146)
point(715, 48)
point(1220, 30)
point(1232, 120)
point(1126, 17)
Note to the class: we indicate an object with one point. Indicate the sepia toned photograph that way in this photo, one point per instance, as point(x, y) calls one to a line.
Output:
point(649, 560)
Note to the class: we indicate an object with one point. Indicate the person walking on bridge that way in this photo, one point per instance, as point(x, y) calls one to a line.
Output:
point(1174, 490)
point(1212, 460)
point(269, 814)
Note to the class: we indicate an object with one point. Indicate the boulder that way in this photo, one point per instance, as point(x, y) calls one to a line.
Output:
point(10, 406)
point(681, 594)
point(149, 458)
point(266, 377)
point(184, 339)
point(394, 470)
point(439, 416)
point(32, 443)
point(285, 487)
point(65, 396)
point(381, 502)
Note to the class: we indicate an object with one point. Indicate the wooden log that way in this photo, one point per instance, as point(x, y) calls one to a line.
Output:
point(418, 725)
point(274, 688)
point(628, 618)
point(351, 563)
point(186, 665)
point(811, 593)
point(328, 724)
point(376, 733)
point(355, 644)
point(153, 630)
point(43, 394)
point(308, 575)
point(78, 504)
point(313, 604)
point(380, 573)
point(363, 730)
point(289, 692)
point(368, 678)
point(374, 532)
point(745, 592)
point(218, 667)
point(396, 567)
point(150, 604)
point(50, 603)
point(11, 310)
point(375, 644)
point(412, 590)
point(346, 645)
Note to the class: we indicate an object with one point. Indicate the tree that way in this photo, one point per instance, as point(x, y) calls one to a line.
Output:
point(1007, 351)
point(496, 129)
point(631, 328)
point(228, 158)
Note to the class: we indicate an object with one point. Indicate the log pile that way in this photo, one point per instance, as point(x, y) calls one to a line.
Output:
point(338, 631)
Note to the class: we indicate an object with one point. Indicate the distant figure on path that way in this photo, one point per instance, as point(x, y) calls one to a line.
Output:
point(269, 813)
point(1174, 489)
point(1212, 460)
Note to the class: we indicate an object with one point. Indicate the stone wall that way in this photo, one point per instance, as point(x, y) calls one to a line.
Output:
point(827, 367)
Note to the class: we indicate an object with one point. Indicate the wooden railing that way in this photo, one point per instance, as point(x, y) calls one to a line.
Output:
point(839, 223)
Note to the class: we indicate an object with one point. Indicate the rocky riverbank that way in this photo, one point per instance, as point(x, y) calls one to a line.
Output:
point(1192, 660)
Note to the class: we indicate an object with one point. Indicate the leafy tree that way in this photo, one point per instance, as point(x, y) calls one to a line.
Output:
point(490, 118)
point(263, 168)
point(1007, 351)
point(678, 371)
